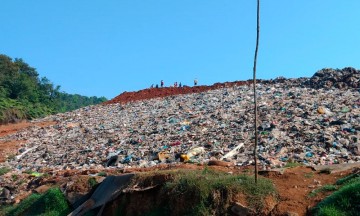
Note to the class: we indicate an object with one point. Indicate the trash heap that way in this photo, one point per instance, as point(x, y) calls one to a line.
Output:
point(327, 78)
point(300, 120)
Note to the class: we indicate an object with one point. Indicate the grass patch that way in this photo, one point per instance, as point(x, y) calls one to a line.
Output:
point(309, 175)
point(323, 189)
point(348, 179)
point(22, 207)
point(329, 211)
point(53, 203)
point(345, 201)
point(209, 192)
point(4, 170)
point(292, 164)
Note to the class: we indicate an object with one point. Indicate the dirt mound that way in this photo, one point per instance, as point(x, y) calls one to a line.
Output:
point(150, 93)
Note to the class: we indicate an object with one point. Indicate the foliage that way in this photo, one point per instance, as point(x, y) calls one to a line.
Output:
point(4, 170)
point(92, 182)
point(53, 202)
point(24, 95)
point(345, 201)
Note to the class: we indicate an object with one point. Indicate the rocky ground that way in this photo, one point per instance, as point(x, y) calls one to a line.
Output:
point(313, 121)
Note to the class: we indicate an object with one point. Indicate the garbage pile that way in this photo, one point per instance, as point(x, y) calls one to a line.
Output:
point(296, 124)
point(326, 78)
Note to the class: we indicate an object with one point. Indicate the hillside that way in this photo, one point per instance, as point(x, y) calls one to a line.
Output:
point(24, 95)
point(311, 121)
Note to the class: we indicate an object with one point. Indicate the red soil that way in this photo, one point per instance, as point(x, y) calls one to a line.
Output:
point(150, 93)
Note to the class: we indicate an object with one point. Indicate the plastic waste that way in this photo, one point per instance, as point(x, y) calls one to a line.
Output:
point(163, 156)
point(191, 153)
point(232, 152)
point(36, 174)
point(309, 154)
point(128, 159)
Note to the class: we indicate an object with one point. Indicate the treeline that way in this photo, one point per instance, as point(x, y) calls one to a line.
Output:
point(24, 95)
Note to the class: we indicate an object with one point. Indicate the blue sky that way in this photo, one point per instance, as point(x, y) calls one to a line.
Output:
point(103, 48)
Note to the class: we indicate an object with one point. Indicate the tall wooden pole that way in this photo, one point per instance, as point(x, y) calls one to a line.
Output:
point(254, 85)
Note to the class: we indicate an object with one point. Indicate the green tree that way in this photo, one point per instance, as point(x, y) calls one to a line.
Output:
point(24, 95)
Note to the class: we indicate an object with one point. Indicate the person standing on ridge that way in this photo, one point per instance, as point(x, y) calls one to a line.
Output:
point(195, 82)
point(162, 83)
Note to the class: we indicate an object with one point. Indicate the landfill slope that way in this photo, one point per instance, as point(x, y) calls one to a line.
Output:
point(297, 122)
point(314, 121)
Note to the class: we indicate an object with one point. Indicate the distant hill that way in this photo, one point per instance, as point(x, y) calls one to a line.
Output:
point(25, 95)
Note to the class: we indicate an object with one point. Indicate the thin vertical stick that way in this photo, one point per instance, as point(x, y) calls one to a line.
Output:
point(254, 85)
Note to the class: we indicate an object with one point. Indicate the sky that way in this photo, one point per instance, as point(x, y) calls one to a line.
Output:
point(103, 48)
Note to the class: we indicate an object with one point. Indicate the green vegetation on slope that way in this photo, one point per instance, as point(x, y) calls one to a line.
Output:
point(345, 201)
point(185, 192)
point(208, 192)
point(24, 95)
point(53, 202)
